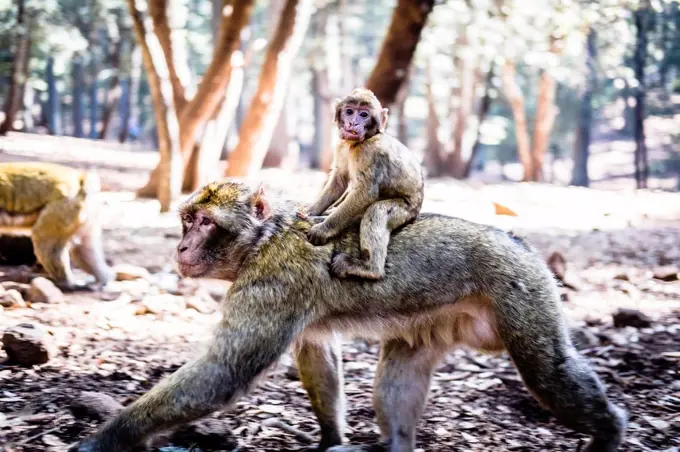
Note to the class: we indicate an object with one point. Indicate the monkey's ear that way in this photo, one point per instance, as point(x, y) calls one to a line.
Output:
point(383, 119)
point(260, 204)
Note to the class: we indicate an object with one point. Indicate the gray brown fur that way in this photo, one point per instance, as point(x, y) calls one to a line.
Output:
point(374, 177)
point(447, 282)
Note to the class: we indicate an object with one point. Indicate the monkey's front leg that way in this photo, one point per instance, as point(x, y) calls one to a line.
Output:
point(352, 207)
point(332, 191)
point(193, 391)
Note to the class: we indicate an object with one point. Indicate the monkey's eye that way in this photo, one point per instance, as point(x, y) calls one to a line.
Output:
point(187, 219)
point(349, 111)
point(206, 221)
point(364, 114)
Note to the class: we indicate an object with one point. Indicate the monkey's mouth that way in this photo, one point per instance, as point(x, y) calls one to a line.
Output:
point(192, 270)
point(352, 135)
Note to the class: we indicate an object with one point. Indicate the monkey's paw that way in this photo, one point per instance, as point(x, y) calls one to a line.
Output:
point(344, 266)
point(319, 234)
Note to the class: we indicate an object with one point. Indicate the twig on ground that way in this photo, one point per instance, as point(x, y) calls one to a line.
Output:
point(280, 424)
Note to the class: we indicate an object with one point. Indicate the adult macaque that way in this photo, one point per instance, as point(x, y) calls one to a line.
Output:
point(55, 203)
point(380, 178)
point(449, 282)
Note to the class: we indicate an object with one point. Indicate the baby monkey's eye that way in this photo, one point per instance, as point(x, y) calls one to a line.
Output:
point(206, 221)
point(188, 219)
point(364, 114)
point(349, 111)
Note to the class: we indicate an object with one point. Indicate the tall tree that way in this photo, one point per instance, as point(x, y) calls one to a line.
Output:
point(639, 60)
point(516, 99)
point(236, 14)
point(78, 97)
point(115, 90)
point(22, 54)
point(170, 166)
point(267, 102)
point(53, 101)
point(579, 174)
point(391, 69)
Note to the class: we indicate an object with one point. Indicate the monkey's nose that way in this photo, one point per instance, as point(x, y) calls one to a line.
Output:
point(182, 249)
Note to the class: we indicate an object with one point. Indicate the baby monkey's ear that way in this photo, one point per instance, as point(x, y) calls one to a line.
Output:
point(337, 108)
point(383, 119)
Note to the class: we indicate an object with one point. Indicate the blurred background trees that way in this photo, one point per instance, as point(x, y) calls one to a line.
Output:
point(561, 91)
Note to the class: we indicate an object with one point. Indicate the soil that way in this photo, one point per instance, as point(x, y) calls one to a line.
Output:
point(109, 343)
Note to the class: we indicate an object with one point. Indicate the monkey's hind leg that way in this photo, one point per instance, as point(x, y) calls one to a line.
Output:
point(560, 378)
point(402, 383)
point(376, 226)
point(320, 367)
point(51, 234)
point(88, 253)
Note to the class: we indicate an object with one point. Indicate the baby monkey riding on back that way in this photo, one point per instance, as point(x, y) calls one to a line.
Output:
point(374, 176)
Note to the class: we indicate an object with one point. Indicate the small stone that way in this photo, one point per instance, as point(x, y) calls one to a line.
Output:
point(631, 317)
point(19, 287)
point(95, 405)
point(157, 304)
point(667, 273)
point(27, 344)
point(201, 302)
point(128, 272)
point(12, 299)
point(210, 434)
point(43, 290)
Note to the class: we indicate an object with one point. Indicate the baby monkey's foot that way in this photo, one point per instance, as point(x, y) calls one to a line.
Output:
point(344, 265)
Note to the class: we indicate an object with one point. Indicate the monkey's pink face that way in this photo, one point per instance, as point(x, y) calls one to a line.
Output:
point(356, 122)
point(193, 251)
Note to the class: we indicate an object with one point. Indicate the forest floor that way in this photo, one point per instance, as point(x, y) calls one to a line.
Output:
point(121, 341)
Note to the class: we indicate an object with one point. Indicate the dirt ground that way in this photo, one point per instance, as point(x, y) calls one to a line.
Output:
point(119, 343)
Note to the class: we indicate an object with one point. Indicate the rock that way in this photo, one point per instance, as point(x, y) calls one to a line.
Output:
point(157, 304)
point(584, 338)
point(210, 434)
point(19, 287)
point(43, 290)
point(12, 299)
point(95, 405)
point(631, 317)
point(667, 273)
point(128, 272)
point(201, 302)
point(27, 344)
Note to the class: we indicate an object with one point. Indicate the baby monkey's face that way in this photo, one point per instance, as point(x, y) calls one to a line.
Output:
point(357, 123)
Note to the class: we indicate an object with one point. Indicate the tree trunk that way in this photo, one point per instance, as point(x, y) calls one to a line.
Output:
point(169, 20)
point(267, 103)
point(170, 166)
point(641, 163)
point(463, 109)
point(579, 174)
point(210, 91)
point(546, 112)
point(78, 97)
point(217, 129)
point(94, 92)
point(323, 121)
point(53, 103)
point(22, 55)
point(131, 115)
point(397, 51)
point(400, 104)
point(484, 107)
point(516, 100)
point(434, 160)
point(114, 92)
